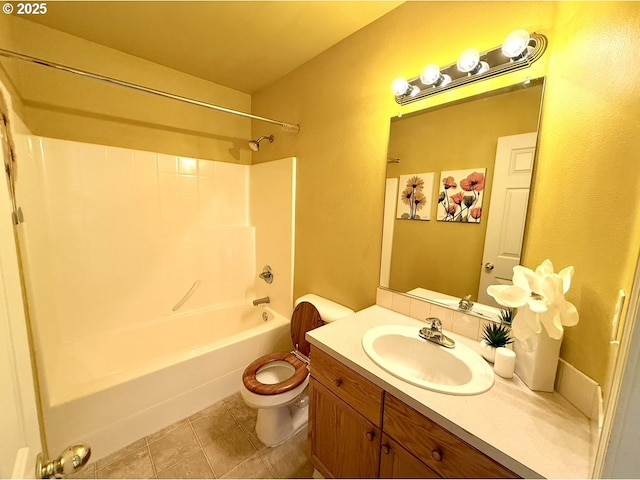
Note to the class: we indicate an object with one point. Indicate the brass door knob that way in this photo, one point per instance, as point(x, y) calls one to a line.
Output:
point(489, 266)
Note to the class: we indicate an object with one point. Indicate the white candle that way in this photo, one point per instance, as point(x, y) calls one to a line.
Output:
point(505, 362)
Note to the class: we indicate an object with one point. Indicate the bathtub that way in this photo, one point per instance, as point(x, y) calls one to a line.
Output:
point(114, 389)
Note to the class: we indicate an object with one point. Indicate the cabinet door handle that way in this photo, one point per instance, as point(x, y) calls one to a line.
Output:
point(338, 382)
point(386, 449)
point(437, 455)
point(371, 436)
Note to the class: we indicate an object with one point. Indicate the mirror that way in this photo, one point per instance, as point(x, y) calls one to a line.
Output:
point(445, 256)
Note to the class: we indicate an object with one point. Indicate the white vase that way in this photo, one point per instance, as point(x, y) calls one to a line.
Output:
point(487, 351)
point(537, 361)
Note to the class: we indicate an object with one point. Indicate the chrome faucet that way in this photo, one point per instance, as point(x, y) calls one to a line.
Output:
point(433, 333)
point(258, 301)
point(465, 303)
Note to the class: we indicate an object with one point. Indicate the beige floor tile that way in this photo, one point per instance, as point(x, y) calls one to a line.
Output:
point(173, 447)
point(249, 428)
point(154, 437)
point(228, 451)
point(194, 465)
point(306, 471)
point(239, 409)
point(88, 471)
point(285, 459)
point(212, 423)
point(135, 465)
point(253, 467)
point(123, 452)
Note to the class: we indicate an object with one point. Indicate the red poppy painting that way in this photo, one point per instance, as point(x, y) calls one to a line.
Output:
point(461, 194)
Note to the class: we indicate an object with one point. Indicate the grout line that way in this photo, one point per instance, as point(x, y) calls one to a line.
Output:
point(206, 457)
point(153, 463)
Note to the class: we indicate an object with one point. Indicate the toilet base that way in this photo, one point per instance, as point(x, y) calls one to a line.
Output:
point(275, 425)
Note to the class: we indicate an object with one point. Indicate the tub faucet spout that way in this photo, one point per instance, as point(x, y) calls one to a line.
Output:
point(258, 301)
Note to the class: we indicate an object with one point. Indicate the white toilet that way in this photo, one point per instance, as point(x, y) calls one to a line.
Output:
point(276, 384)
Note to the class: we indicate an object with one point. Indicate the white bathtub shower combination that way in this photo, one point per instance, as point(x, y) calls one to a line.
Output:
point(129, 383)
point(112, 241)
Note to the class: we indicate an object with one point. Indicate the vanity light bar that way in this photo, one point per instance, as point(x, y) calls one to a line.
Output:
point(498, 62)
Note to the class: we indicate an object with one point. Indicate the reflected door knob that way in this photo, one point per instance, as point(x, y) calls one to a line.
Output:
point(489, 266)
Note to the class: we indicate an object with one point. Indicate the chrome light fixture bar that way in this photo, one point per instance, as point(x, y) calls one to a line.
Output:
point(519, 50)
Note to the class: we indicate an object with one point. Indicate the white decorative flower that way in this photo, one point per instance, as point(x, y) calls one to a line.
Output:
point(539, 296)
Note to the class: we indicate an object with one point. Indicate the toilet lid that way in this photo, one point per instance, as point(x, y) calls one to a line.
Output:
point(305, 318)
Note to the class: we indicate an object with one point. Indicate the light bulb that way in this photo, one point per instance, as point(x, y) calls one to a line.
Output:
point(400, 86)
point(516, 43)
point(469, 62)
point(431, 75)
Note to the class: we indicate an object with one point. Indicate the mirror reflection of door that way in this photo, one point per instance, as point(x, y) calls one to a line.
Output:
point(513, 170)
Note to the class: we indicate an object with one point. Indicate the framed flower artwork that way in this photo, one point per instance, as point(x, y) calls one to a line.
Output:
point(416, 193)
point(461, 195)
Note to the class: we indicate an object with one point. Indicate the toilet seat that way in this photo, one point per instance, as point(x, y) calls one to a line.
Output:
point(305, 317)
point(254, 385)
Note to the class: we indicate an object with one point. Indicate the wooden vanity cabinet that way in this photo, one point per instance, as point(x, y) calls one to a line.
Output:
point(439, 449)
point(396, 462)
point(345, 413)
point(359, 431)
point(344, 444)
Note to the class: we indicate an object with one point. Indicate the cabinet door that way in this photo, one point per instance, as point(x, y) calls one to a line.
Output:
point(442, 451)
point(396, 462)
point(343, 443)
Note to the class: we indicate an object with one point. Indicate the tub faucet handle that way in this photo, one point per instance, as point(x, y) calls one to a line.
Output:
point(267, 274)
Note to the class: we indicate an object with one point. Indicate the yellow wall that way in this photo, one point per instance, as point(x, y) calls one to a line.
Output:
point(60, 105)
point(441, 256)
point(587, 211)
point(583, 211)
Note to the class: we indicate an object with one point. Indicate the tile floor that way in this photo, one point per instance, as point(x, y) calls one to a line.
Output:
point(217, 442)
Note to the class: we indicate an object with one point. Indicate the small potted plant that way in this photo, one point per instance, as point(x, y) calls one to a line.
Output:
point(495, 335)
point(506, 315)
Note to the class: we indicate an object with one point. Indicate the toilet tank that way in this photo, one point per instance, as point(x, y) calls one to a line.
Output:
point(329, 311)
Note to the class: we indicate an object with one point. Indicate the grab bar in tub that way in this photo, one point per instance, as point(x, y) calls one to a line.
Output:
point(186, 296)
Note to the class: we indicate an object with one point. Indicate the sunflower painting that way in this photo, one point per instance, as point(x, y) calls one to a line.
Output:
point(461, 195)
point(416, 192)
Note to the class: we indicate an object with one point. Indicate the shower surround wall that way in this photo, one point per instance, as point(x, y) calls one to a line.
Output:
point(114, 238)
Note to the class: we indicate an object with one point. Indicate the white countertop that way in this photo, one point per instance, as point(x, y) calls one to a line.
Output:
point(533, 434)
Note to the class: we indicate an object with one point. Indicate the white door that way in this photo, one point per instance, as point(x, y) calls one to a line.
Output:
point(20, 437)
point(507, 212)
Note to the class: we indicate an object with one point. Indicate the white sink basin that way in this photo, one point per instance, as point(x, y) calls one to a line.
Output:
point(400, 351)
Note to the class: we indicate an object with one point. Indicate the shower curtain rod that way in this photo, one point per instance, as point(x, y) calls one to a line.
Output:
point(289, 127)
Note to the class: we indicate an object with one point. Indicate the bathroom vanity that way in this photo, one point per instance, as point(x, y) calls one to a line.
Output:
point(365, 422)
